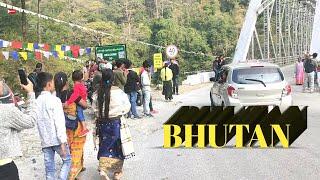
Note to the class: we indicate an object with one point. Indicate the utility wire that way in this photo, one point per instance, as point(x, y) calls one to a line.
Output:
point(93, 30)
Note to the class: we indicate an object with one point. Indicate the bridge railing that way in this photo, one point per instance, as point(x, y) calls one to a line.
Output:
point(282, 61)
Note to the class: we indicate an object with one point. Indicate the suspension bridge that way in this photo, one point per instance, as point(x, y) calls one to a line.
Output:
point(289, 29)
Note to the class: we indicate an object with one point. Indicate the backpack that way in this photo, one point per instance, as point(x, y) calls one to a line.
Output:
point(309, 66)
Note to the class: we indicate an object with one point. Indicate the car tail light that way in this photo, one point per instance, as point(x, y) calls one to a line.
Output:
point(287, 90)
point(232, 92)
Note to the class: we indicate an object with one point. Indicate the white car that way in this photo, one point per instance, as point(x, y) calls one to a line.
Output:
point(250, 84)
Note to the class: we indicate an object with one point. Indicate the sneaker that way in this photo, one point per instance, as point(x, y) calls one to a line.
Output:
point(154, 112)
point(148, 115)
point(137, 117)
point(83, 133)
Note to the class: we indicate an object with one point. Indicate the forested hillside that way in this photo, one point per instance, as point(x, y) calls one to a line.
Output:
point(207, 26)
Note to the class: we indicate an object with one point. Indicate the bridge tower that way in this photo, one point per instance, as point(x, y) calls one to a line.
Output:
point(279, 31)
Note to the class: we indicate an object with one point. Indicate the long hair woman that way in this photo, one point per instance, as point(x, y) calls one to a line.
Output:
point(110, 104)
point(75, 142)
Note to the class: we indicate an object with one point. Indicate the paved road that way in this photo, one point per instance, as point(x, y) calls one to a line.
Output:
point(301, 161)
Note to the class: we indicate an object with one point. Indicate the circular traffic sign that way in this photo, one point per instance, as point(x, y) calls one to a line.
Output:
point(172, 51)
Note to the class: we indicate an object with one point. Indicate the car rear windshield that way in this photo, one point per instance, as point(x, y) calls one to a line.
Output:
point(265, 74)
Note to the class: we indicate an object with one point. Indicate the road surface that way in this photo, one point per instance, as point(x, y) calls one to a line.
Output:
point(301, 161)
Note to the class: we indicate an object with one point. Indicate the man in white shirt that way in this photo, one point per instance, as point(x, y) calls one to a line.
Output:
point(146, 89)
point(52, 129)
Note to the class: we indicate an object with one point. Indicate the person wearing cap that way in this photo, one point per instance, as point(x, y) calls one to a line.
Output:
point(12, 121)
point(166, 76)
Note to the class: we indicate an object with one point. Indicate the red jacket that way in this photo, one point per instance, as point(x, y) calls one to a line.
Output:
point(79, 90)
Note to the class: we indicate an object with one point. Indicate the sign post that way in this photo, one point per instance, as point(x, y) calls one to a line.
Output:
point(157, 61)
point(111, 52)
point(172, 51)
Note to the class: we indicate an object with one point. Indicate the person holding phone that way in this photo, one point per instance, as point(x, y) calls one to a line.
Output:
point(12, 121)
point(52, 128)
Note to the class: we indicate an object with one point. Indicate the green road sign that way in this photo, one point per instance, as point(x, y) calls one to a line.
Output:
point(111, 52)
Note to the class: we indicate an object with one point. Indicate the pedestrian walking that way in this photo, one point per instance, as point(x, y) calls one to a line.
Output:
point(120, 75)
point(75, 142)
point(299, 72)
point(13, 121)
point(309, 68)
point(110, 104)
point(175, 79)
point(131, 88)
point(79, 90)
point(166, 76)
point(146, 89)
point(52, 128)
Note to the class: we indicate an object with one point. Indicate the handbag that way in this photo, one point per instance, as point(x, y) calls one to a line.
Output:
point(126, 140)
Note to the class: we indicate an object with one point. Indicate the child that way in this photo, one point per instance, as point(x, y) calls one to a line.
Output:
point(51, 127)
point(79, 90)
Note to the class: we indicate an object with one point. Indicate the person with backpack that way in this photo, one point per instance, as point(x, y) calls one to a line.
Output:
point(310, 66)
point(175, 79)
point(131, 88)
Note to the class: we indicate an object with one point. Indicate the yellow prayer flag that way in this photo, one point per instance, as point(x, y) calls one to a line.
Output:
point(30, 46)
point(61, 54)
point(58, 48)
point(24, 55)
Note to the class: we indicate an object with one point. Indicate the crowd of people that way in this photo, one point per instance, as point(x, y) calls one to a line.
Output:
point(307, 72)
point(217, 65)
point(58, 111)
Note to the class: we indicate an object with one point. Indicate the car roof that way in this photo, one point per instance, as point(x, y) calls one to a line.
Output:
point(251, 64)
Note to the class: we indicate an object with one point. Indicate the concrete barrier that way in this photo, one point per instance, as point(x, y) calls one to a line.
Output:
point(203, 77)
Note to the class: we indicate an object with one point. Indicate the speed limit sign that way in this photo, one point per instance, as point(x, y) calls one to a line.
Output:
point(172, 51)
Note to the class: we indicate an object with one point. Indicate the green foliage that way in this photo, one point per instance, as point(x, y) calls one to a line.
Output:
point(208, 26)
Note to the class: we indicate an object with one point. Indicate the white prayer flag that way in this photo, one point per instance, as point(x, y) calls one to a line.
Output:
point(5, 54)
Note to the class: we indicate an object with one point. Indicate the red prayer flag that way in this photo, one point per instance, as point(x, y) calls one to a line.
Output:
point(46, 47)
point(38, 55)
point(12, 11)
point(75, 50)
point(16, 44)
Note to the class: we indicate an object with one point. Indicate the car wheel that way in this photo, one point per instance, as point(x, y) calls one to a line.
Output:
point(211, 100)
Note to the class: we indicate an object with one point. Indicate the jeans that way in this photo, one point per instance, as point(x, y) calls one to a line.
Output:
point(133, 101)
point(9, 172)
point(150, 104)
point(146, 101)
point(309, 81)
point(175, 87)
point(80, 113)
point(49, 162)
